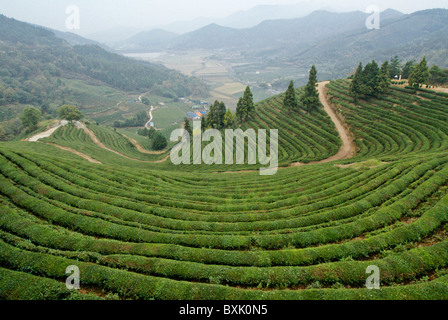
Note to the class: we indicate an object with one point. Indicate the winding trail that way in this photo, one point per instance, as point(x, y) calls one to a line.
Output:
point(48, 132)
point(348, 148)
point(82, 155)
point(140, 148)
point(95, 140)
point(148, 124)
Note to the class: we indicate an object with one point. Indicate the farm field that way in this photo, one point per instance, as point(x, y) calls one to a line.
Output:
point(140, 228)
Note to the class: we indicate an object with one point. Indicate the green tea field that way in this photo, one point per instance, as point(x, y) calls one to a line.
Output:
point(139, 227)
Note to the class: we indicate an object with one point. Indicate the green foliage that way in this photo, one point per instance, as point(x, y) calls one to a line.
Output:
point(356, 85)
point(70, 113)
point(310, 97)
point(245, 108)
point(146, 101)
point(151, 132)
point(229, 119)
point(408, 69)
point(30, 118)
point(215, 117)
point(290, 102)
point(383, 82)
point(420, 75)
point(137, 120)
point(144, 132)
point(395, 67)
point(372, 81)
point(135, 233)
point(438, 75)
point(187, 127)
point(159, 142)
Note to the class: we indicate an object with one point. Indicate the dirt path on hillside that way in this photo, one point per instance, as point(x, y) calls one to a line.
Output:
point(148, 124)
point(82, 155)
point(48, 132)
point(444, 90)
point(95, 140)
point(348, 148)
point(140, 148)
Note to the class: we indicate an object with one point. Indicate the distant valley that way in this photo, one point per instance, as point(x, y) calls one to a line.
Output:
point(275, 51)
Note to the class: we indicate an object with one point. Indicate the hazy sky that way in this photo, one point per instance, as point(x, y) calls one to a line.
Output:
point(98, 15)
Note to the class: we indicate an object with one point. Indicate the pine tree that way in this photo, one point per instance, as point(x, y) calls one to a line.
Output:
point(310, 97)
point(245, 107)
point(394, 67)
point(228, 119)
point(240, 112)
point(159, 141)
point(203, 124)
point(248, 99)
point(383, 81)
point(220, 114)
point(420, 75)
point(290, 102)
point(370, 78)
point(407, 69)
point(187, 127)
point(212, 115)
point(30, 118)
point(357, 83)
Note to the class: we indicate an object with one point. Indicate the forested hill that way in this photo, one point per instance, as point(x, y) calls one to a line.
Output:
point(33, 61)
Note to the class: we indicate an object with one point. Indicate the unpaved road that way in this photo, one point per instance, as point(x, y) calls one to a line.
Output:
point(82, 155)
point(140, 148)
point(95, 140)
point(47, 133)
point(348, 148)
point(147, 125)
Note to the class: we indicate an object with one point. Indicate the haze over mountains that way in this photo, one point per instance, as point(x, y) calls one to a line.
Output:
point(283, 49)
point(241, 19)
point(334, 41)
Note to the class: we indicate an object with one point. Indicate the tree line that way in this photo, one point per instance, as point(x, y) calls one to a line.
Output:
point(375, 81)
point(308, 100)
point(370, 80)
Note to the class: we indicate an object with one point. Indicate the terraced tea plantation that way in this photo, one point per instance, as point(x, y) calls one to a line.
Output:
point(147, 230)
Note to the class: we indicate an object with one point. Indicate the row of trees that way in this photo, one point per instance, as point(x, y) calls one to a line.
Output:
point(419, 75)
point(32, 116)
point(417, 71)
point(158, 140)
point(219, 117)
point(245, 106)
point(138, 120)
point(397, 68)
point(375, 81)
point(309, 100)
point(371, 80)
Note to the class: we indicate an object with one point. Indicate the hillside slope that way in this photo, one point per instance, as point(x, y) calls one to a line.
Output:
point(37, 65)
point(146, 231)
